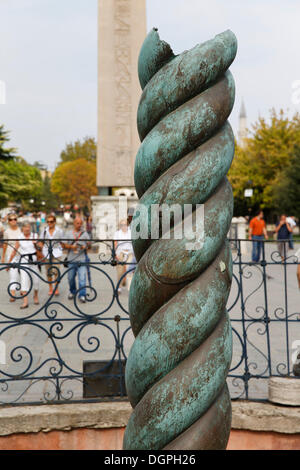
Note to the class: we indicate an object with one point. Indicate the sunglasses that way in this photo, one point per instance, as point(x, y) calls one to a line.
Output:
point(50, 221)
point(12, 219)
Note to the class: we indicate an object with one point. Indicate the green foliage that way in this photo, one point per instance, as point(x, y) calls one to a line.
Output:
point(19, 182)
point(266, 156)
point(287, 192)
point(5, 153)
point(51, 200)
point(75, 182)
point(40, 166)
point(87, 150)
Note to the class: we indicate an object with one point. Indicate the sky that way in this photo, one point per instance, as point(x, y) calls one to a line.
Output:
point(48, 61)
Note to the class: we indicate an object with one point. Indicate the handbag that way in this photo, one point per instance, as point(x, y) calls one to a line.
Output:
point(65, 261)
point(39, 252)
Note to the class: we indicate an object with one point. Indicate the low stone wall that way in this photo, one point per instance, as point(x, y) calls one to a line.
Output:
point(100, 426)
point(264, 426)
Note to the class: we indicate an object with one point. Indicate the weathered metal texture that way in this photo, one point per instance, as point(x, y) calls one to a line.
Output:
point(177, 368)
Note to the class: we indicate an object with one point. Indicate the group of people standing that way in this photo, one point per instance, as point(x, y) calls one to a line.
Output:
point(22, 247)
point(284, 234)
point(283, 230)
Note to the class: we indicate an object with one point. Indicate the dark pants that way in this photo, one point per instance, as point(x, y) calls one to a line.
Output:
point(282, 248)
point(256, 247)
point(291, 241)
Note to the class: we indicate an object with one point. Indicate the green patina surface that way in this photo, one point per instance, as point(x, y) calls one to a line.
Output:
point(169, 408)
point(193, 179)
point(177, 368)
point(184, 75)
point(153, 55)
point(182, 130)
point(163, 342)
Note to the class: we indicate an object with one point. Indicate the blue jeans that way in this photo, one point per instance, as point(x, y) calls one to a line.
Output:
point(256, 247)
point(81, 270)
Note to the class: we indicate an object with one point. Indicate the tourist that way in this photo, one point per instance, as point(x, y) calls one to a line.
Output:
point(38, 222)
point(76, 211)
point(68, 218)
point(13, 233)
point(77, 254)
point(283, 230)
point(25, 253)
point(291, 220)
point(124, 253)
point(52, 252)
point(89, 225)
point(257, 232)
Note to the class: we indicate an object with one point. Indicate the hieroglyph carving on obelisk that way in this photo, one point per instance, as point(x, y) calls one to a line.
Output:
point(122, 29)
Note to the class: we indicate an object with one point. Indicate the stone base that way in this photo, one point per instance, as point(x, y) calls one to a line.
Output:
point(240, 232)
point(284, 390)
point(100, 426)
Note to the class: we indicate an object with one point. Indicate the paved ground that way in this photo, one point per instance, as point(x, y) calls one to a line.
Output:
point(280, 298)
point(29, 347)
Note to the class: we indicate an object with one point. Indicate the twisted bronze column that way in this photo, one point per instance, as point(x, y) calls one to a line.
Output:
point(177, 368)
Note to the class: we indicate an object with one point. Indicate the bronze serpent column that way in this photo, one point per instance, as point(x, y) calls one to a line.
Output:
point(177, 367)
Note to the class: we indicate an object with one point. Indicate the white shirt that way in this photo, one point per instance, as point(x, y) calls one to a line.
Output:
point(10, 234)
point(27, 247)
point(67, 216)
point(291, 222)
point(123, 246)
point(56, 247)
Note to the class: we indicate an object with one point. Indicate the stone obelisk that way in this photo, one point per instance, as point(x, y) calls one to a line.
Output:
point(121, 32)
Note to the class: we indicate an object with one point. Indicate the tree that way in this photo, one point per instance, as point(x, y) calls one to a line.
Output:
point(19, 182)
point(80, 150)
point(263, 160)
point(40, 165)
point(287, 192)
point(50, 199)
point(5, 154)
point(75, 182)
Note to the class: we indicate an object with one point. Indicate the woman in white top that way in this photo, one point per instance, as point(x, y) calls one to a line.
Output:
point(25, 252)
point(124, 252)
point(13, 232)
point(53, 255)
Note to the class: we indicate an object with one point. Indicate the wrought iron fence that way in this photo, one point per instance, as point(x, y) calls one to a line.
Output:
point(264, 308)
point(67, 348)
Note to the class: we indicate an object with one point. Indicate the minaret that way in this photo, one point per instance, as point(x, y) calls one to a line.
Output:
point(242, 132)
